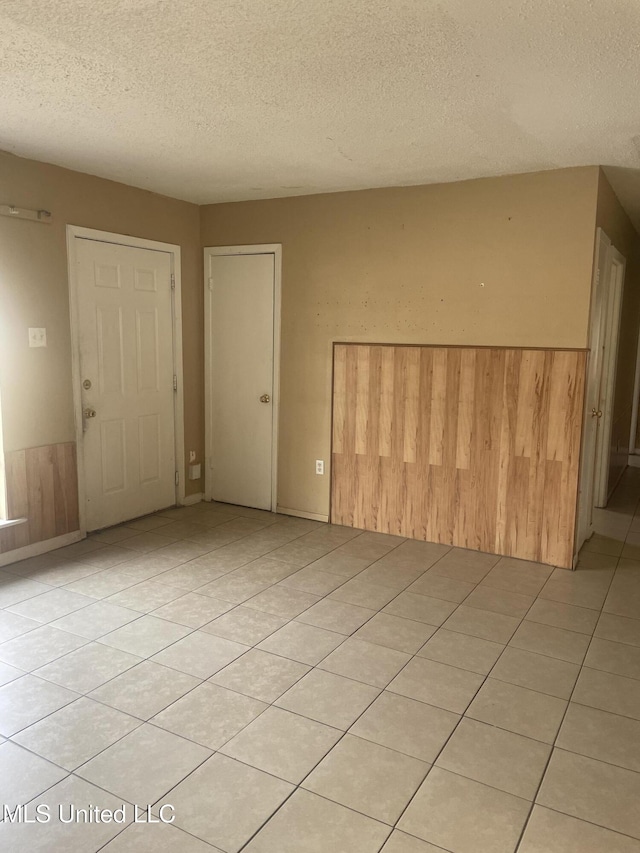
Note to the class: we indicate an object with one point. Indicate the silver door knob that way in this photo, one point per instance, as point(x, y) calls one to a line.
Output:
point(596, 413)
point(265, 398)
point(89, 413)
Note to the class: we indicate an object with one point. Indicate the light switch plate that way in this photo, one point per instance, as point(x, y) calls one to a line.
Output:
point(37, 337)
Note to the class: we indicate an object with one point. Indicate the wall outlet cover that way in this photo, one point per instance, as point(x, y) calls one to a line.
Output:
point(37, 337)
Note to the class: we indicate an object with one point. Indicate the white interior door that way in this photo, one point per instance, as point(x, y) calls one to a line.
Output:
point(125, 336)
point(240, 414)
point(591, 426)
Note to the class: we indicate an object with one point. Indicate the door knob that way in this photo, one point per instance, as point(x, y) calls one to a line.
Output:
point(596, 413)
point(89, 413)
point(265, 398)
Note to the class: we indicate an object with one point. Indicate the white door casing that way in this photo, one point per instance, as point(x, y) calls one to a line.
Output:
point(614, 286)
point(592, 391)
point(634, 450)
point(604, 333)
point(242, 325)
point(127, 352)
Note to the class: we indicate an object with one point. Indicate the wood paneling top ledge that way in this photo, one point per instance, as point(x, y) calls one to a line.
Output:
point(459, 346)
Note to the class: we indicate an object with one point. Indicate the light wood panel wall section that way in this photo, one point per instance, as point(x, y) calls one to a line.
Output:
point(42, 486)
point(477, 448)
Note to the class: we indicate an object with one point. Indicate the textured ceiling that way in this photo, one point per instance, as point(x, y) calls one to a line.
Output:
point(216, 100)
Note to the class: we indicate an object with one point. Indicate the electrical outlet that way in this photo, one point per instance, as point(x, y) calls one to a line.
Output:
point(319, 466)
point(37, 337)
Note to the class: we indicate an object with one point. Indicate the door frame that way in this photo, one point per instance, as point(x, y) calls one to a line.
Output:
point(274, 249)
point(73, 233)
point(634, 459)
point(589, 462)
point(615, 271)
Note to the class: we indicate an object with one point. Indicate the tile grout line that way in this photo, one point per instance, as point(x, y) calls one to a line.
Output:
point(349, 636)
point(149, 722)
point(553, 745)
point(298, 786)
point(81, 695)
point(143, 658)
point(462, 717)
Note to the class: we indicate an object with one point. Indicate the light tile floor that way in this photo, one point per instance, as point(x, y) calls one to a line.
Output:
point(293, 687)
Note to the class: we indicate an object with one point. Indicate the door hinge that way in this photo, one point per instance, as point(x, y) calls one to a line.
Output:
point(173, 282)
point(175, 382)
point(210, 284)
point(177, 478)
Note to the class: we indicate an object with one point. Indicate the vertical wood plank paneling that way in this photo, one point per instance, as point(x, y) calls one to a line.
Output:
point(351, 479)
point(424, 523)
point(411, 395)
point(506, 531)
point(449, 473)
point(574, 383)
point(466, 397)
point(526, 402)
point(71, 496)
point(438, 402)
point(339, 396)
point(540, 364)
point(17, 502)
point(372, 459)
point(387, 369)
point(42, 486)
point(363, 355)
point(396, 485)
point(40, 483)
point(471, 447)
point(561, 371)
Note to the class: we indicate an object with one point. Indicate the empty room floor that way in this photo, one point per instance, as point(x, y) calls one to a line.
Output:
point(293, 687)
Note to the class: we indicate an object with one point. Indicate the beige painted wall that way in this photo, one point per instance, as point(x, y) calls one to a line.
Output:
point(501, 261)
point(617, 226)
point(36, 388)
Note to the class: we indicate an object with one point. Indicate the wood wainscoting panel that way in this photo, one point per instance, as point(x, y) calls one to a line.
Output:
point(42, 486)
point(474, 447)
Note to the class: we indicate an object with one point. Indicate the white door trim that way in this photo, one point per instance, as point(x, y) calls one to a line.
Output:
point(274, 249)
point(616, 267)
point(633, 449)
point(588, 458)
point(42, 547)
point(77, 231)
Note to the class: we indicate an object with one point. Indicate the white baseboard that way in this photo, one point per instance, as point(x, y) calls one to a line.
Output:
point(12, 522)
point(634, 460)
point(190, 500)
point(40, 547)
point(298, 513)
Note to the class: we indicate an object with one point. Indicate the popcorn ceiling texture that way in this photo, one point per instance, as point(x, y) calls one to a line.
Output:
point(239, 99)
